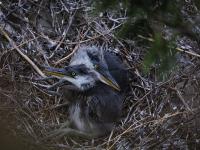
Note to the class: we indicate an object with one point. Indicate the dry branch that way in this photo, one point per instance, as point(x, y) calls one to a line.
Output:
point(177, 48)
point(21, 53)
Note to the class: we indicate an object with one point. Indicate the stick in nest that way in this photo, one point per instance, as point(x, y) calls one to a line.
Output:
point(21, 53)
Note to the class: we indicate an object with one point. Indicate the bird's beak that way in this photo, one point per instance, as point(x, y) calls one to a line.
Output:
point(103, 76)
point(56, 72)
point(108, 79)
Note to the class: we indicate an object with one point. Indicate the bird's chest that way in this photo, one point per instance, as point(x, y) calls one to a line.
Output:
point(78, 111)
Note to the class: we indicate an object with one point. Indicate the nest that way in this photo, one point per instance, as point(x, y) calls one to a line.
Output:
point(157, 114)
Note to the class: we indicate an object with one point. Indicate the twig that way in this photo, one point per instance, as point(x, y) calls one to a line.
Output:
point(108, 142)
point(182, 99)
point(20, 45)
point(181, 50)
point(177, 48)
point(21, 53)
point(131, 127)
point(78, 44)
point(64, 34)
point(68, 56)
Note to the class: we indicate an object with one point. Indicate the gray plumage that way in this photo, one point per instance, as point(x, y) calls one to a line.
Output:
point(94, 78)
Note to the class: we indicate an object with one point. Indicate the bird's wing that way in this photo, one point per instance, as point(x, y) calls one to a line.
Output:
point(117, 69)
point(105, 107)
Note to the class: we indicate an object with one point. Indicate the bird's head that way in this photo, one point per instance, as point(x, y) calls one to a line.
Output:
point(86, 68)
point(82, 78)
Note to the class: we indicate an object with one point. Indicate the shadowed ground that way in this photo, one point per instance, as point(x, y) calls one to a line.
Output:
point(157, 114)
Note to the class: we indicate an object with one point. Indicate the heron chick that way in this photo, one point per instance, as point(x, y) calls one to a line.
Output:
point(95, 79)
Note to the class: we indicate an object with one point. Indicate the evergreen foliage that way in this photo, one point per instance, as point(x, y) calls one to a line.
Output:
point(148, 18)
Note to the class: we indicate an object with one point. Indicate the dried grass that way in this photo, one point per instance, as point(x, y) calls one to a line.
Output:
point(156, 115)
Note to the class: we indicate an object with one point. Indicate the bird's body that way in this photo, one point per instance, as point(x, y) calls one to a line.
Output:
point(117, 69)
point(96, 112)
point(94, 93)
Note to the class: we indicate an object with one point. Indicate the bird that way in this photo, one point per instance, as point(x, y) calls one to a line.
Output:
point(94, 83)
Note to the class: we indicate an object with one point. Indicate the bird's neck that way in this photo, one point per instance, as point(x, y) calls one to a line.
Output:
point(98, 89)
point(73, 95)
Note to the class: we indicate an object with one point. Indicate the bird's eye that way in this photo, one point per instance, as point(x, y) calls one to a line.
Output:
point(96, 66)
point(73, 74)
